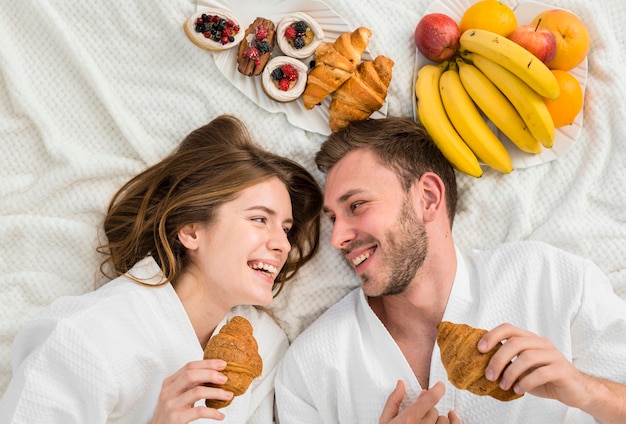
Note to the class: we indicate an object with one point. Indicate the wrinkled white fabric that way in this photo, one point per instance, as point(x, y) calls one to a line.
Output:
point(102, 357)
point(345, 365)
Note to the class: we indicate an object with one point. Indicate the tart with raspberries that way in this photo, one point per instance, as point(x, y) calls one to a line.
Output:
point(298, 35)
point(284, 79)
point(213, 29)
point(256, 47)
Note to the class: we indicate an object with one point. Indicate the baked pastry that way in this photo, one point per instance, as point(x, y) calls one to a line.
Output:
point(256, 48)
point(334, 64)
point(236, 345)
point(284, 78)
point(362, 94)
point(463, 362)
point(213, 29)
point(298, 35)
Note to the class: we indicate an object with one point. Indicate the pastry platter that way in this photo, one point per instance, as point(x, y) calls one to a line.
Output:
point(565, 136)
point(314, 120)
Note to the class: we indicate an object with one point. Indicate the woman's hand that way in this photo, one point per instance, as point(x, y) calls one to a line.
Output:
point(421, 411)
point(182, 390)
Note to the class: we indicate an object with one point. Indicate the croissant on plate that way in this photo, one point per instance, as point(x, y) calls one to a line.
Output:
point(236, 345)
point(334, 64)
point(362, 94)
point(463, 362)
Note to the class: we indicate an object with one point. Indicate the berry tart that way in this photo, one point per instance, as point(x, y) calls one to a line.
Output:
point(284, 78)
point(213, 29)
point(298, 35)
point(255, 49)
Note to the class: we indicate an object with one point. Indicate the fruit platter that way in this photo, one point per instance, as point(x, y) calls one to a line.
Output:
point(468, 93)
point(330, 26)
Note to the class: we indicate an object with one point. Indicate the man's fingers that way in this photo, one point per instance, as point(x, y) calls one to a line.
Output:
point(392, 406)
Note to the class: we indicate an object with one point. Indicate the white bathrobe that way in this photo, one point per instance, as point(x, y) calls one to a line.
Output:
point(102, 357)
point(345, 365)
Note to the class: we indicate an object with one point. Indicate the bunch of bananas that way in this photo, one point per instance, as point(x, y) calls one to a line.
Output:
point(496, 76)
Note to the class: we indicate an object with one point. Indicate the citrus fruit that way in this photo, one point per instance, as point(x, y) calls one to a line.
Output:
point(572, 37)
point(566, 107)
point(491, 15)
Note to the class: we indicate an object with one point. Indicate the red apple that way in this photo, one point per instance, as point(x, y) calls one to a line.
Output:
point(536, 39)
point(437, 37)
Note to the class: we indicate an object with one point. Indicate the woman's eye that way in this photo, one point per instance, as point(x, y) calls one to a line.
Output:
point(286, 230)
point(260, 219)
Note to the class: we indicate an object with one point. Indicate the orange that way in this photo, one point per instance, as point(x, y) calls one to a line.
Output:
point(566, 107)
point(572, 37)
point(491, 15)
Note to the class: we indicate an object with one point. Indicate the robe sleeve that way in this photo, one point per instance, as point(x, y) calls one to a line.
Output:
point(58, 377)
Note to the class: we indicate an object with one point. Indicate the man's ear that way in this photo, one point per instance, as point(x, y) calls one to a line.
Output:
point(188, 236)
point(432, 194)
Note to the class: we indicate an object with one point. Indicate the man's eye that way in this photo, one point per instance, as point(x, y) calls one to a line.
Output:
point(355, 205)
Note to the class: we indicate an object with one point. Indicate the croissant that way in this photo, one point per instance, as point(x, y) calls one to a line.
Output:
point(463, 362)
point(362, 94)
point(236, 345)
point(334, 64)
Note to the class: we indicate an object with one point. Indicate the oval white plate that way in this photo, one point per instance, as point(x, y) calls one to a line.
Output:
point(314, 120)
point(565, 136)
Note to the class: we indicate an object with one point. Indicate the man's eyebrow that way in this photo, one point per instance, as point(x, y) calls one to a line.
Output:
point(345, 197)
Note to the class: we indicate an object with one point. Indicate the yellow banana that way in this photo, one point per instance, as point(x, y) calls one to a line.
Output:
point(528, 103)
point(469, 123)
point(513, 57)
point(496, 107)
point(432, 116)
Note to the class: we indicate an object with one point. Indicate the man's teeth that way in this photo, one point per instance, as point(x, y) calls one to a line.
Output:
point(261, 266)
point(359, 259)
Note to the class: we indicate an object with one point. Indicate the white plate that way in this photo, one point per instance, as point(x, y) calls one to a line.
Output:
point(565, 136)
point(246, 11)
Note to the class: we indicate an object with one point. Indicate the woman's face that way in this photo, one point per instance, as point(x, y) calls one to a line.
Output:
point(240, 254)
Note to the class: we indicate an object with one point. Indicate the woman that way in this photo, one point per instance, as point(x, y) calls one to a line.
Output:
point(217, 226)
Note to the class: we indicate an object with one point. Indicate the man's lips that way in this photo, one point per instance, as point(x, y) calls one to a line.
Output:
point(357, 256)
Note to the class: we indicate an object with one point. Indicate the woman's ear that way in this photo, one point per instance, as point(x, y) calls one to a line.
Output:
point(188, 236)
point(432, 194)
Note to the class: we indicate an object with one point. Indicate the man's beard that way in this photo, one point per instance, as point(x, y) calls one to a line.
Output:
point(406, 249)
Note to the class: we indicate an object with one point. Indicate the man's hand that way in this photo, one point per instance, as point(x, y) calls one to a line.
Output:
point(421, 411)
point(529, 363)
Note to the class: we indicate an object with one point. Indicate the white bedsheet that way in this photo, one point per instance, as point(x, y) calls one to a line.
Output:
point(91, 93)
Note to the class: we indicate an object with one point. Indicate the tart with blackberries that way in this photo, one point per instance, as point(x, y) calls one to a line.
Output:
point(284, 79)
point(298, 35)
point(213, 29)
point(256, 47)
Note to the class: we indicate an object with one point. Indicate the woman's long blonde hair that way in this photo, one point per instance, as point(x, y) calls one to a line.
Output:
point(211, 166)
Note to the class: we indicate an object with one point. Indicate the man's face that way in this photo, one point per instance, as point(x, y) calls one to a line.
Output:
point(375, 224)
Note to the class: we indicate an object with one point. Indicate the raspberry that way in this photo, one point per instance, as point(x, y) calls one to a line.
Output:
point(251, 53)
point(290, 72)
point(261, 33)
point(283, 84)
point(290, 33)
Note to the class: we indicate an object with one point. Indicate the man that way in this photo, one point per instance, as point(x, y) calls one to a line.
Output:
point(391, 196)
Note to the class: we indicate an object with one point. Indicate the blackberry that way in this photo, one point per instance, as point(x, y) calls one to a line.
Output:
point(300, 27)
point(277, 74)
point(298, 43)
point(264, 47)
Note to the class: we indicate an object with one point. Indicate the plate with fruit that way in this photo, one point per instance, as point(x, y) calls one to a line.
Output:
point(245, 12)
point(537, 122)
